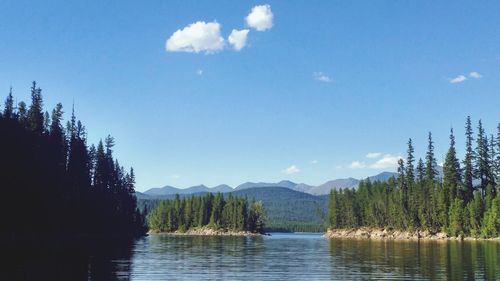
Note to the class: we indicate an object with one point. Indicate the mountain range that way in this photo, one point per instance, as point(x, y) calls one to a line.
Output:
point(322, 189)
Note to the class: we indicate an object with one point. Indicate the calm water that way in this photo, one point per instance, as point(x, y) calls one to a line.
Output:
point(277, 257)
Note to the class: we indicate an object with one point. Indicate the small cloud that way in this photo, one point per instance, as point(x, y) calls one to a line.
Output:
point(387, 161)
point(475, 75)
point(338, 167)
point(260, 18)
point(320, 76)
point(314, 162)
point(291, 170)
point(357, 165)
point(238, 38)
point(197, 37)
point(458, 79)
point(373, 155)
point(199, 72)
point(175, 177)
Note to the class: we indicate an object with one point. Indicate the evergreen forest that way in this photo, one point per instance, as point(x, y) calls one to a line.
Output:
point(461, 202)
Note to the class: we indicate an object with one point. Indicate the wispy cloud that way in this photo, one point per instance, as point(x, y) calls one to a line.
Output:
point(475, 75)
point(260, 18)
point(175, 176)
point(291, 170)
point(197, 37)
point(357, 165)
point(238, 38)
point(199, 72)
point(387, 161)
point(320, 76)
point(373, 155)
point(314, 162)
point(458, 79)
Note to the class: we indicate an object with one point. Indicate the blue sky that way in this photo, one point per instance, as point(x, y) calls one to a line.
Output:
point(308, 95)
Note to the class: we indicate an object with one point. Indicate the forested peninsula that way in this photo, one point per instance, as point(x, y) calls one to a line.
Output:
point(418, 203)
point(54, 182)
point(208, 215)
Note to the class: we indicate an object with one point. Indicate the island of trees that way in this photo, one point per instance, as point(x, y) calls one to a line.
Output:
point(230, 214)
point(463, 202)
point(53, 181)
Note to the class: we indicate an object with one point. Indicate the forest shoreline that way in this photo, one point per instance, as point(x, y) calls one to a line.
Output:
point(204, 231)
point(392, 234)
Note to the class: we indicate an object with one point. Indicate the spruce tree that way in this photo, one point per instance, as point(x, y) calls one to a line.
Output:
point(410, 168)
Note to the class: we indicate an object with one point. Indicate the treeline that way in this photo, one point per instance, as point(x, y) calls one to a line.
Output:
point(52, 181)
point(213, 211)
point(463, 201)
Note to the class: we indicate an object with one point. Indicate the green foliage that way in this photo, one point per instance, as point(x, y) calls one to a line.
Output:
point(216, 212)
point(65, 185)
point(426, 201)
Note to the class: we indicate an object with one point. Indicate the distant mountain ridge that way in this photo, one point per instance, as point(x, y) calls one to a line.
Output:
point(322, 189)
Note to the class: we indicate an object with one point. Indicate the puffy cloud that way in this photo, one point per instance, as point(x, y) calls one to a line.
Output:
point(291, 170)
point(197, 37)
point(475, 75)
point(373, 155)
point(260, 18)
point(458, 79)
point(238, 38)
point(387, 161)
point(357, 165)
point(320, 76)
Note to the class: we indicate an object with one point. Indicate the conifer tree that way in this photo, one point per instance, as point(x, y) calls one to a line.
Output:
point(452, 173)
point(468, 173)
point(430, 162)
point(8, 112)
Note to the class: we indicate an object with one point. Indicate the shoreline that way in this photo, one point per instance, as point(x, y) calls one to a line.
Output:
point(397, 235)
point(207, 232)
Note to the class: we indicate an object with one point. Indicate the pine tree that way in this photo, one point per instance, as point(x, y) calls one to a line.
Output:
point(35, 112)
point(452, 173)
point(482, 167)
point(430, 162)
point(468, 175)
point(410, 168)
point(420, 170)
point(8, 112)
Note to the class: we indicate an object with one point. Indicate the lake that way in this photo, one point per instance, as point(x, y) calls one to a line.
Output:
point(282, 256)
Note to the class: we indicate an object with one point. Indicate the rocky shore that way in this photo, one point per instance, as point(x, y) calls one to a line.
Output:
point(205, 231)
point(391, 234)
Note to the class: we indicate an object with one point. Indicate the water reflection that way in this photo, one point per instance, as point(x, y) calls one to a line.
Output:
point(66, 259)
point(279, 257)
point(435, 260)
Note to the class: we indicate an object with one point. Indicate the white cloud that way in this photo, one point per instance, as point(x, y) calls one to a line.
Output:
point(357, 165)
point(475, 75)
point(175, 177)
point(314, 162)
point(291, 170)
point(373, 155)
point(238, 38)
point(260, 18)
point(387, 161)
point(320, 76)
point(197, 37)
point(458, 79)
point(199, 72)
